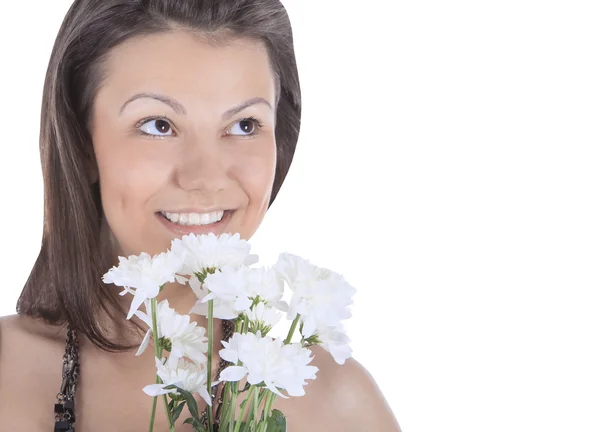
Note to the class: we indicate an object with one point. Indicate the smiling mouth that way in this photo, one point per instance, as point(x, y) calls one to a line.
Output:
point(195, 219)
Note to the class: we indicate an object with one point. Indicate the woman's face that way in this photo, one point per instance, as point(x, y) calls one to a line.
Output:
point(184, 138)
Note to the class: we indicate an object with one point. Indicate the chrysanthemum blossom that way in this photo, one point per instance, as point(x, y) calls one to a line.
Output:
point(230, 285)
point(265, 285)
point(200, 252)
point(185, 375)
point(321, 296)
point(293, 369)
point(143, 275)
point(235, 289)
point(187, 339)
point(221, 309)
point(263, 318)
point(265, 360)
point(336, 342)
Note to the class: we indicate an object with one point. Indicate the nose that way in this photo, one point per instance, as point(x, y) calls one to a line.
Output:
point(202, 167)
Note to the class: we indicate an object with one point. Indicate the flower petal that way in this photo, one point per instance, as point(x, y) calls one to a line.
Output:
point(137, 301)
point(181, 279)
point(196, 286)
point(282, 306)
point(309, 325)
point(251, 259)
point(155, 389)
point(145, 343)
point(144, 317)
point(204, 394)
point(274, 390)
point(233, 373)
point(229, 355)
point(242, 303)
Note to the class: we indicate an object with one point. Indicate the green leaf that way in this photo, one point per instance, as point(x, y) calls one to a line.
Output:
point(277, 422)
point(195, 424)
point(191, 402)
point(177, 412)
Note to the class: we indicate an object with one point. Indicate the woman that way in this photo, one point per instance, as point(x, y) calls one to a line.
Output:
point(159, 118)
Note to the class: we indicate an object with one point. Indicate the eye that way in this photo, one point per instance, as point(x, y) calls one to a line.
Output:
point(160, 125)
point(246, 127)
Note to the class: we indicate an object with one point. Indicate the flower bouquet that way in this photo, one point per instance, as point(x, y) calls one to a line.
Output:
point(255, 367)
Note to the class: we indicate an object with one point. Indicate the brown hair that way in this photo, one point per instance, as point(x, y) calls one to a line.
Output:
point(65, 283)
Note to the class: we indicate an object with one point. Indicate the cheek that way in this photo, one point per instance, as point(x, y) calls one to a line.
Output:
point(129, 176)
point(256, 175)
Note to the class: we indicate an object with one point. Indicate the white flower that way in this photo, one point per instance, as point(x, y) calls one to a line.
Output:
point(185, 375)
point(143, 275)
point(200, 252)
point(234, 289)
point(187, 338)
point(266, 285)
point(231, 286)
point(263, 318)
point(221, 309)
point(268, 360)
point(293, 369)
point(336, 341)
point(320, 296)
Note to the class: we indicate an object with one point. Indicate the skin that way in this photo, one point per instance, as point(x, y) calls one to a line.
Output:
point(196, 160)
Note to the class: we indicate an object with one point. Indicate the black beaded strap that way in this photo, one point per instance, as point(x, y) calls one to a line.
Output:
point(64, 409)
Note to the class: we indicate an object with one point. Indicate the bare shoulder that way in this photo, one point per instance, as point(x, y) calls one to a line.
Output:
point(18, 332)
point(30, 359)
point(343, 397)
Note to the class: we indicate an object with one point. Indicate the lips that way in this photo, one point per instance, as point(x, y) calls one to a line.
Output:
point(215, 228)
point(195, 218)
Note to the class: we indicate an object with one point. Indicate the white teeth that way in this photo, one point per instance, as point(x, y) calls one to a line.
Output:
point(194, 218)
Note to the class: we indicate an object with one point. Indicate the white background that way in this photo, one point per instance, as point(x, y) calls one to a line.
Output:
point(448, 167)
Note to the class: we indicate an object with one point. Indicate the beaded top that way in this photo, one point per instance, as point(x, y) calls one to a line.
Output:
point(64, 408)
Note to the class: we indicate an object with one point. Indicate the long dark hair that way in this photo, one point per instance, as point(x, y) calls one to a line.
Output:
point(65, 283)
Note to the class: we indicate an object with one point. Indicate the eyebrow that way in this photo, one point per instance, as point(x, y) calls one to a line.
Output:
point(180, 109)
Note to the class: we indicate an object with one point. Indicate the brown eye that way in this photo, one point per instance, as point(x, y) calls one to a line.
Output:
point(157, 127)
point(245, 127)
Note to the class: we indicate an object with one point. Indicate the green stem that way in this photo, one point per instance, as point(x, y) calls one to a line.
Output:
point(245, 326)
point(292, 330)
point(241, 416)
point(263, 395)
point(255, 405)
point(234, 397)
point(154, 399)
point(209, 362)
point(226, 406)
point(270, 397)
point(158, 354)
point(230, 394)
point(166, 403)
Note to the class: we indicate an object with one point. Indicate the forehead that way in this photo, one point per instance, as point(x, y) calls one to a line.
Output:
point(188, 68)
